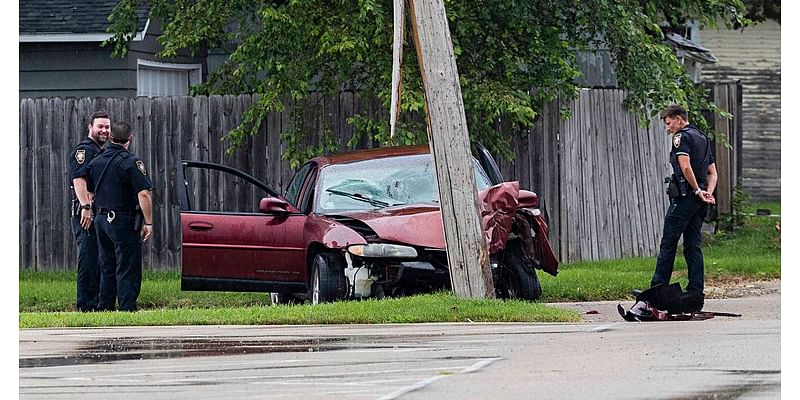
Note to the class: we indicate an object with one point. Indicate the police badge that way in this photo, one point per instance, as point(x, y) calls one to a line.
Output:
point(676, 140)
point(140, 165)
point(80, 156)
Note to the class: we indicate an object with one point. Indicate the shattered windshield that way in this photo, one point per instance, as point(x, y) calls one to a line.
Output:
point(382, 182)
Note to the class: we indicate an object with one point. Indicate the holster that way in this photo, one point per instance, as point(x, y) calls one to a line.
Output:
point(138, 219)
point(677, 187)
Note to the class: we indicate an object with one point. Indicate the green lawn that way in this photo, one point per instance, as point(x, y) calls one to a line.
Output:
point(752, 252)
point(440, 307)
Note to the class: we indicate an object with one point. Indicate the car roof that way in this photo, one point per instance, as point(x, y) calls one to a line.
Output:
point(371, 154)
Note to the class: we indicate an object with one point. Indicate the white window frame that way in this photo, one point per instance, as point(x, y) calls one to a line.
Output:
point(195, 71)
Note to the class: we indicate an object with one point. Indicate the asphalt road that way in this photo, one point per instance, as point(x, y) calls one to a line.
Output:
point(601, 358)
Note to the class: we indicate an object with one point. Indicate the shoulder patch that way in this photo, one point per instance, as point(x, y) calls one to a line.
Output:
point(676, 140)
point(140, 166)
point(80, 156)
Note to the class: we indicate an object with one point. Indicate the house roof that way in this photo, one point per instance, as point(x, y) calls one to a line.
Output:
point(77, 20)
point(690, 49)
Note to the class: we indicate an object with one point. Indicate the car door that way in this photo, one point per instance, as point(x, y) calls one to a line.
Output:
point(488, 164)
point(227, 242)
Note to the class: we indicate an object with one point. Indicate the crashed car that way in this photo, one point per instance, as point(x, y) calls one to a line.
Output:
point(354, 225)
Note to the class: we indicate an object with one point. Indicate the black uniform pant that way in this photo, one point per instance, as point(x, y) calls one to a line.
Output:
point(88, 282)
point(120, 262)
point(684, 218)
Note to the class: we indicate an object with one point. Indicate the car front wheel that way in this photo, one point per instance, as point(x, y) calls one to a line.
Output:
point(328, 282)
point(515, 279)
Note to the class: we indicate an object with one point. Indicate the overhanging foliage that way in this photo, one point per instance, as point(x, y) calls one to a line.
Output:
point(512, 56)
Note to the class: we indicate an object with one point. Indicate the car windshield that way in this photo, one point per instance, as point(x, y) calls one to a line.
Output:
point(382, 182)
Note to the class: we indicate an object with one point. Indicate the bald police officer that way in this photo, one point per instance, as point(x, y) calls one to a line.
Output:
point(88, 282)
point(121, 190)
point(693, 181)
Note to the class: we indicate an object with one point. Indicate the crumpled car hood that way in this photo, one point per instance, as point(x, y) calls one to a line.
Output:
point(421, 224)
point(414, 224)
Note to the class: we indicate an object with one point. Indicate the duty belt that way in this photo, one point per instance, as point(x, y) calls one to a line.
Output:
point(123, 211)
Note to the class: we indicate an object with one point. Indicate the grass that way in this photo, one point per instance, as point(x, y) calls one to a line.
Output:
point(439, 307)
point(55, 291)
point(752, 252)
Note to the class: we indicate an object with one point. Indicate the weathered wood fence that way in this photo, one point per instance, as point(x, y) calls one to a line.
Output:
point(598, 174)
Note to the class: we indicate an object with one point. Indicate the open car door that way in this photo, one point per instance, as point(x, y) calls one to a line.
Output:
point(237, 234)
point(489, 164)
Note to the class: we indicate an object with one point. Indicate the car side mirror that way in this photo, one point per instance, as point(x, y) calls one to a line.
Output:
point(528, 199)
point(273, 205)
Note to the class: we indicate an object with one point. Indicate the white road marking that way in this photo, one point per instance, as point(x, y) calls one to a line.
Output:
point(603, 328)
point(427, 381)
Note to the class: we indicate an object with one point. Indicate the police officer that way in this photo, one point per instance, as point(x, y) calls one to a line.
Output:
point(88, 282)
point(693, 181)
point(123, 221)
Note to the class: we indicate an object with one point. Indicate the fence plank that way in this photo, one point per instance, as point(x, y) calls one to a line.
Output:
point(586, 203)
point(161, 115)
point(288, 124)
point(273, 132)
point(601, 180)
point(216, 149)
point(572, 211)
point(259, 158)
point(61, 197)
point(621, 173)
point(723, 158)
point(27, 208)
point(41, 175)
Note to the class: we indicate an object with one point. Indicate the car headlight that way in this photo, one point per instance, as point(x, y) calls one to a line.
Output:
point(382, 250)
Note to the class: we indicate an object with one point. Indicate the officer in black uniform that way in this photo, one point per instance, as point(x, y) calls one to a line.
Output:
point(691, 186)
point(123, 221)
point(88, 282)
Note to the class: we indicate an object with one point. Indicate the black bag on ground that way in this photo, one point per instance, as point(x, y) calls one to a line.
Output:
point(672, 299)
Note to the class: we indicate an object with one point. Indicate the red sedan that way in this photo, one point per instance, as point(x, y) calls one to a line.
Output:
point(353, 225)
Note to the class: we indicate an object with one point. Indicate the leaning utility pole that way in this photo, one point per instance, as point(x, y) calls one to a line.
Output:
point(467, 250)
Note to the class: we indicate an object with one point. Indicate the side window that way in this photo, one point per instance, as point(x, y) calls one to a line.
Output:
point(293, 190)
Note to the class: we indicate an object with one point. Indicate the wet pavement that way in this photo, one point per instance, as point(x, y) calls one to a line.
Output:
point(603, 357)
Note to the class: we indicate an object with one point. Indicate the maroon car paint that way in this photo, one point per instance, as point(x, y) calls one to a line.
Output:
point(549, 263)
point(498, 204)
point(528, 199)
point(332, 235)
point(415, 225)
point(249, 246)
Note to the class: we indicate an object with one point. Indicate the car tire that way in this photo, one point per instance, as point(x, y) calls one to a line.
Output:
point(515, 279)
point(328, 282)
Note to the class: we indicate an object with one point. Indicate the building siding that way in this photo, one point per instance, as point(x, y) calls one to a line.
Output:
point(753, 56)
point(87, 69)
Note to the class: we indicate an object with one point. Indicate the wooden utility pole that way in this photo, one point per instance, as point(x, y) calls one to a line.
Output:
point(467, 251)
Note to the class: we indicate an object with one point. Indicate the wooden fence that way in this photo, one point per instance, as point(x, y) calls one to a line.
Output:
point(598, 174)
point(728, 152)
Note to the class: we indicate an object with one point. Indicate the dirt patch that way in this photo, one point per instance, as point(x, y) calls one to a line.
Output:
point(736, 286)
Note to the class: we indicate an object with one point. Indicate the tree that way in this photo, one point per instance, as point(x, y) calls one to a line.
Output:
point(762, 10)
point(512, 56)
